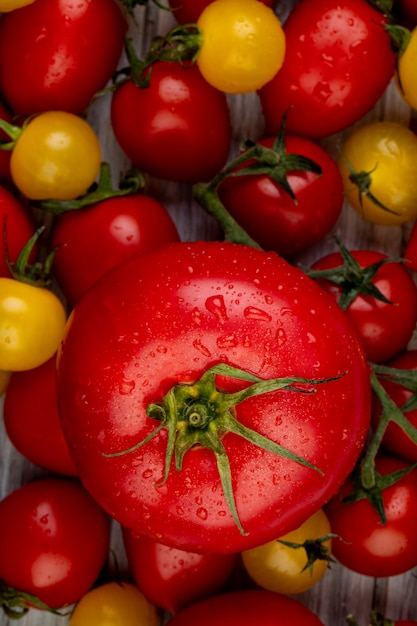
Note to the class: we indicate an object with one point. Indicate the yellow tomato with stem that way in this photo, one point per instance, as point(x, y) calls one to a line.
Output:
point(114, 604)
point(242, 47)
point(56, 155)
point(32, 322)
point(378, 164)
point(295, 562)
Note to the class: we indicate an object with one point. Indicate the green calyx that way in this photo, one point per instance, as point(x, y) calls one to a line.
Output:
point(16, 604)
point(200, 414)
point(353, 279)
point(315, 549)
point(37, 274)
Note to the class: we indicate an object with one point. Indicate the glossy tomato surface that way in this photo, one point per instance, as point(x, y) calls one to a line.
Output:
point(94, 239)
point(268, 213)
point(329, 78)
point(164, 319)
point(31, 418)
point(177, 128)
point(56, 54)
point(172, 578)
point(247, 608)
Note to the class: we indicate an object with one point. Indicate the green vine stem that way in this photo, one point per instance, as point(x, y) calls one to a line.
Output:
point(16, 604)
point(315, 549)
point(200, 414)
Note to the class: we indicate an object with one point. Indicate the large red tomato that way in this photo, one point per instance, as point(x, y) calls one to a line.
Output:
point(138, 351)
point(247, 608)
point(56, 54)
point(268, 213)
point(338, 63)
point(94, 239)
point(177, 128)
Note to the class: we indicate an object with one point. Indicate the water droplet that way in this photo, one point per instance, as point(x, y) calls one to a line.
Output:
point(148, 473)
point(196, 316)
point(253, 313)
point(216, 305)
point(227, 341)
point(281, 336)
point(201, 347)
point(179, 510)
point(221, 513)
point(199, 500)
point(269, 299)
point(126, 387)
point(161, 349)
point(202, 513)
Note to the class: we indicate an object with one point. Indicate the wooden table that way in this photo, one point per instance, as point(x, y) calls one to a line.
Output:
point(340, 592)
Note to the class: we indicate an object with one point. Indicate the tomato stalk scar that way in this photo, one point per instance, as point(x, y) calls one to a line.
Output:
point(200, 414)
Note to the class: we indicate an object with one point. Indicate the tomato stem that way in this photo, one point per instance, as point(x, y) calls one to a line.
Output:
point(12, 131)
point(200, 414)
point(315, 549)
point(15, 603)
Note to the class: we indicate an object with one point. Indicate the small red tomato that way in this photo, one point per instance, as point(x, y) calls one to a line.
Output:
point(31, 419)
point(172, 578)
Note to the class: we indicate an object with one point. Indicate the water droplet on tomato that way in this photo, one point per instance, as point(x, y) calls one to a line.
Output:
point(201, 347)
point(202, 513)
point(148, 473)
point(126, 387)
point(227, 341)
point(216, 306)
point(281, 336)
point(253, 313)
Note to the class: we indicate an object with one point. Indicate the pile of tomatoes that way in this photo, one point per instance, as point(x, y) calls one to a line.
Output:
point(211, 388)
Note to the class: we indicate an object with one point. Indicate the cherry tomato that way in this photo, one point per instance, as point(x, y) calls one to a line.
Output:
point(20, 228)
point(283, 568)
point(114, 604)
point(31, 419)
point(150, 331)
point(385, 328)
point(243, 45)
point(328, 80)
point(268, 213)
point(177, 128)
point(32, 322)
point(387, 153)
point(368, 546)
point(246, 608)
point(54, 540)
point(57, 156)
point(395, 440)
point(172, 578)
point(99, 237)
point(188, 11)
point(55, 55)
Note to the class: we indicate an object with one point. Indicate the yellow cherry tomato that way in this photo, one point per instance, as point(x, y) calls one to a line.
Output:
point(4, 381)
point(243, 45)
point(278, 567)
point(57, 156)
point(10, 5)
point(406, 76)
point(32, 322)
point(114, 604)
point(384, 155)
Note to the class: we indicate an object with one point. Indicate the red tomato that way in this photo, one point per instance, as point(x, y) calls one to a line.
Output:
point(363, 543)
point(100, 236)
point(395, 440)
point(188, 11)
point(56, 54)
point(247, 608)
point(54, 540)
point(328, 80)
point(271, 217)
point(165, 319)
point(19, 225)
point(31, 419)
point(385, 328)
point(178, 128)
point(172, 578)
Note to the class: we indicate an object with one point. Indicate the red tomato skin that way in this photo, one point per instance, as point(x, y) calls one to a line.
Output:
point(328, 80)
point(268, 213)
point(188, 12)
point(178, 128)
point(172, 578)
point(54, 540)
point(220, 303)
point(20, 228)
point(395, 439)
point(375, 320)
point(410, 252)
point(5, 176)
point(53, 55)
point(367, 546)
point(95, 239)
point(32, 422)
point(246, 608)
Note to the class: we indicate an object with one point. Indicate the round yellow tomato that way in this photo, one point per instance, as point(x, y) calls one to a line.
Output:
point(378, 164)
point(10, 5)
point(57, 156)
point(243, 45)
point(32, 322)
point(406, 76)
point(114, 604)
point(284, 569)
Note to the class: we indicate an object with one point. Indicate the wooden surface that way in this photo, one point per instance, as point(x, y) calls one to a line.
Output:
point(340, 592)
